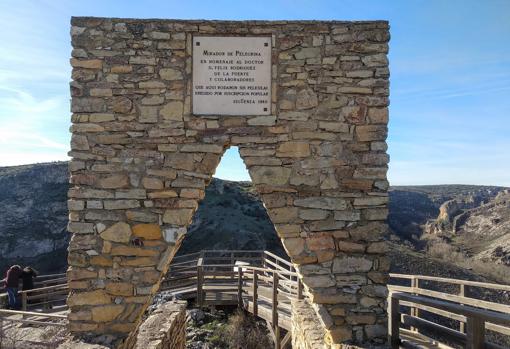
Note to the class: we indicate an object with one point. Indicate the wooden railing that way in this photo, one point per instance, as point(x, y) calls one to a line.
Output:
point(185, 269)
point(49, 290)
point(264, 285)
point(452, 311)
point(281, 284)
point(416, 311)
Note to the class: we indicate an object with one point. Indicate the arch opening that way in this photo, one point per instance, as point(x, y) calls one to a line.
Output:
point(231, 216)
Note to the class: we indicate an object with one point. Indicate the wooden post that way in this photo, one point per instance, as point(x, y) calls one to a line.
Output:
point(1, 331)
point(277, 342)
point(232, 263)
point(24, 302)
point(462, 293)
point(200, 278)
point(475, 331)
point(299, 288)
point(394, 322)
point(255, 286)
point(414, 310)
point(275, 311)
point(274, 317)
point(240, 287)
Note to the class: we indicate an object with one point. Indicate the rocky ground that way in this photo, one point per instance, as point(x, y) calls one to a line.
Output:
point(22, 336)
point(225, 329)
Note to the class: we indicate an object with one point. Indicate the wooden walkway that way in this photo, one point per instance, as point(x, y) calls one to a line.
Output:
point(258, 281)
point(423, 311)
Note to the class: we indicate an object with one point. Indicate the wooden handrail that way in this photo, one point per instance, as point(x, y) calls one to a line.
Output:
point(31, 313)
point(463, 309)
point(280, 272)
point(47, 288)
point(50, 276)
point(453, 298)
point(272, 255)
point(453, 281)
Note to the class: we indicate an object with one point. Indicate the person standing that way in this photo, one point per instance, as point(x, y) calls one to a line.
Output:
point(11, 285)
point(28, 276)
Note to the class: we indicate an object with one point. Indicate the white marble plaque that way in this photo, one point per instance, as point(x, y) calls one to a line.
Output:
point(231, 75)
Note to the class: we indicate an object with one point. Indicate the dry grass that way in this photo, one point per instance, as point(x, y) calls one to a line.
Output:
point(243, 332)
point(447, 252)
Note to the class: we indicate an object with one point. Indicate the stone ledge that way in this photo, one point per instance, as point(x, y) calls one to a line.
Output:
point(165, 328)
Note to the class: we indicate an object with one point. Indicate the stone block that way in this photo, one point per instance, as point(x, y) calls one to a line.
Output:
point(371, 201)
point(106, 313)
point(294, 246)
point(313, 214)
point(114, 182)
point(306, 99)
point(317, 242)
point(119, 232)
point(148, 114)
point(87, 63)
point(80, 227)
point(152, 183)
point(308, 52)
point(79, 142)
point(347, 246)
point(172, 111)
point(147, 231)
point(202, 148)
point(351, 264)
point(293, 149)
point(325, 203)
point(268, 120)
point(273, 175)
point(119, 288)
point(367, 133)
point(122, 250)
point(120, 204)
point(88, 298)
point(170, 74)
point(180, 217)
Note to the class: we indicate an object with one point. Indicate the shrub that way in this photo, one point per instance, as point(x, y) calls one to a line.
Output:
point(243, 332)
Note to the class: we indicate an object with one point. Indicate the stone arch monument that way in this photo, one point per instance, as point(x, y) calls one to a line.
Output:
point(156, 103)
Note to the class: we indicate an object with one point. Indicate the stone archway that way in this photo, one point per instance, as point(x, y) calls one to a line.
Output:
point(142, 160)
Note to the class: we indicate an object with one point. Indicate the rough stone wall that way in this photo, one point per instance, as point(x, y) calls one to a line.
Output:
point(165, 328)
point(141, 162)
point(307, 330)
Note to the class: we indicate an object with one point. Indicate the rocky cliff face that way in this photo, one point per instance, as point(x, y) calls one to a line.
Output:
point(433, 209)
point(472, 220)
point(481, 230)
point(33, 216)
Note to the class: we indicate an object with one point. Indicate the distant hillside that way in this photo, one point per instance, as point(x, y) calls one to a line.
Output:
point(411, 207)
point(440, 225)
point(231, 216)
point(33, 216)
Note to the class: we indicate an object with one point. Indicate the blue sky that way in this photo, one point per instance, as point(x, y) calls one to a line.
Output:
point(449, 61)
